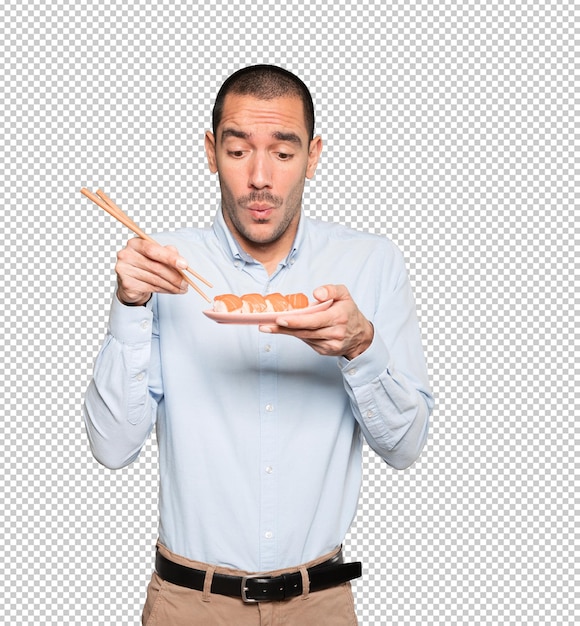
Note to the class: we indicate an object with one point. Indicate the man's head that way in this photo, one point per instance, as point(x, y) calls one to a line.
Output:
point(265, 82)
point(263, 150)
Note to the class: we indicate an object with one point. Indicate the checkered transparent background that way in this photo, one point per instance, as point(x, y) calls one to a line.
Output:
point(448, 126)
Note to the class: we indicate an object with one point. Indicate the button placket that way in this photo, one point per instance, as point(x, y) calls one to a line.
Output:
point(268, 447)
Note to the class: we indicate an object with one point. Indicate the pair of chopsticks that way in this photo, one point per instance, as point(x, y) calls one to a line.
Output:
point(102, 200)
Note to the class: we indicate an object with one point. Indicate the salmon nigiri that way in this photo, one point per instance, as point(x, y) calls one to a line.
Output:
point(297, 300)
point(254, 303)
point(276, 303)
point(227, 303)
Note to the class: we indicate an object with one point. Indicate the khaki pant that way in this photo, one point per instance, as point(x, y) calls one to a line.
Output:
point(172, 605)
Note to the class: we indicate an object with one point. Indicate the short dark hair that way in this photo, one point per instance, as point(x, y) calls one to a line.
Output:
point(265, 82)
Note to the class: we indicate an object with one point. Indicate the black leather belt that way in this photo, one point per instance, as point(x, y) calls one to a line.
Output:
point(260, 587)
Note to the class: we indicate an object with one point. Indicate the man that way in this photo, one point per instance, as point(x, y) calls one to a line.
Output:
point(259, 429)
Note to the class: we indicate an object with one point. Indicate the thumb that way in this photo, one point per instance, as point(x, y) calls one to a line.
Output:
point(331, 292)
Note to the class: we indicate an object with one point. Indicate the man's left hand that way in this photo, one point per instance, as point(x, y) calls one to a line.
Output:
point(341, 330)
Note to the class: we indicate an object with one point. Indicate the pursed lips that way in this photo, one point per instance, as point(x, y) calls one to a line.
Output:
point(260, 210)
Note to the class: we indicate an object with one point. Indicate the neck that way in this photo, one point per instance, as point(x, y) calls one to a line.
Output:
point(271, 253)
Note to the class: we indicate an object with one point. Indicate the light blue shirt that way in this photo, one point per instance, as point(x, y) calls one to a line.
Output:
point(260, 438)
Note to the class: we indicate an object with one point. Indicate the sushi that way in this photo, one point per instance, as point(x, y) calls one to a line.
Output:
point(227, 303)
point(276, 302)
point(297, 300)
point(256, 303)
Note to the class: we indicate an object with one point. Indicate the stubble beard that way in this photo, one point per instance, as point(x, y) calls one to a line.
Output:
point(233, 207)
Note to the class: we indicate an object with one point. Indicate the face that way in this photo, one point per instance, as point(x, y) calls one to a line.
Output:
point(263, 155)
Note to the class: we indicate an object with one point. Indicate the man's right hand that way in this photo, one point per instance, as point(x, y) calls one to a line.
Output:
point(144, 267)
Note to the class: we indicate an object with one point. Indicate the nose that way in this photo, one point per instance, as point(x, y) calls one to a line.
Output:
point(260, 172)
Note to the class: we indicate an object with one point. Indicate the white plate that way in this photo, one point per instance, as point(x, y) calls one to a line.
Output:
point(263, 318)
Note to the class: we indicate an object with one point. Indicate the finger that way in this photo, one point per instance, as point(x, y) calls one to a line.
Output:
point(325, 333)
point(325, 346)
point(163, 261)
point(136, 265)
point(331, 317)
point(180, 262)
point(331, 292)
point(308, 321)
point(152, 277)
point(168, 255)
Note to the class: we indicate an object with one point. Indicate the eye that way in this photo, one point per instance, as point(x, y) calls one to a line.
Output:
point(236, 154)
point(284, 156)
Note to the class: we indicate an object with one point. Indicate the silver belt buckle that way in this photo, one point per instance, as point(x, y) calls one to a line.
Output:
point(245, 588)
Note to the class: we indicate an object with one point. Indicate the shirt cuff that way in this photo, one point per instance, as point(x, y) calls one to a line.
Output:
point(367, 366)
point(131, 324)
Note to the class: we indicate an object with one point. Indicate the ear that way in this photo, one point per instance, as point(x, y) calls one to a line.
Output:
point(313, 156)
point(210, 151)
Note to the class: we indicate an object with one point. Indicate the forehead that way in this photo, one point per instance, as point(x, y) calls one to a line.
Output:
point(254, 115)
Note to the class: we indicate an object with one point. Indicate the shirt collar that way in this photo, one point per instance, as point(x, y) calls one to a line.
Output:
point(231, 247)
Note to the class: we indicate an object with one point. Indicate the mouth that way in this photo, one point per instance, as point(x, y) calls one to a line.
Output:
point(260, 211)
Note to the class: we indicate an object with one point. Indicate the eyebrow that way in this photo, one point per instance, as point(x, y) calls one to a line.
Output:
point(232, 132)
point(278, 135)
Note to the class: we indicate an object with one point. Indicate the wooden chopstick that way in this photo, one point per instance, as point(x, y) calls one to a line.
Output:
point(103, 201)
point(120, 213)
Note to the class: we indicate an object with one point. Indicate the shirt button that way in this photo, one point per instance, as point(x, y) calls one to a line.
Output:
point(140, 376)
point(269, 470)
point(144, 324)
point(267, 348)
point(269, 408)
point(269, 534)
point(352, 371)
